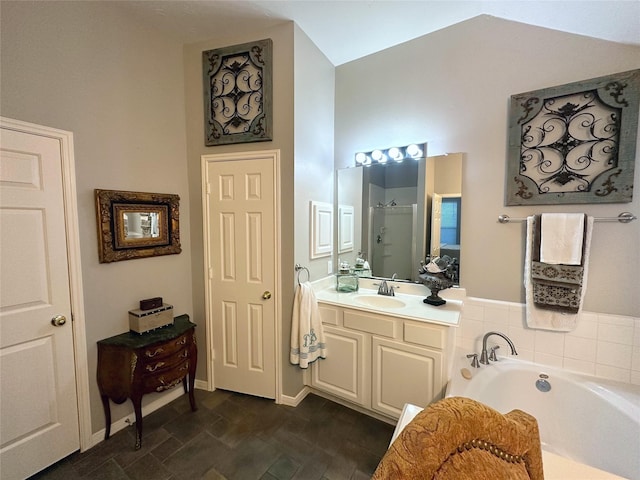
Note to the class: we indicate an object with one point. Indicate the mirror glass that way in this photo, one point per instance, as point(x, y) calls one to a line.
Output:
point(141, 225)
point(400, 213)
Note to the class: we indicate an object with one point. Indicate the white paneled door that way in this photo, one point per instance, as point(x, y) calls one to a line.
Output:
point(241, 254)
point(38, 402)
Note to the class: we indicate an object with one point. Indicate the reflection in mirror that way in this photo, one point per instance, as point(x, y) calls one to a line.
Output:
point(402, 213)
point(445, 229)
point(141, 225)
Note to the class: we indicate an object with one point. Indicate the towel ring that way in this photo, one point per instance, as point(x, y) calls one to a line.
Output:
point(299, 268)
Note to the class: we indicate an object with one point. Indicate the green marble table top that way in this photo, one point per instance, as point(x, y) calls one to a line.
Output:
point(130, 339)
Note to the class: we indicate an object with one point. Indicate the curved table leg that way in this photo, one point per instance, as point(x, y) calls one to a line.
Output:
point(107, 416)
point(192, 374)
point(137, 408)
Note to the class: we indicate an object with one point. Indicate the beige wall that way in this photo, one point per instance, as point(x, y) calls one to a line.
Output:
point(451, 89)
point(314, 171)
point(313, 180)
point(118, 87)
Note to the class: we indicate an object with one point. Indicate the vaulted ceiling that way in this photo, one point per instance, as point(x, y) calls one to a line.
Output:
point(345, 30)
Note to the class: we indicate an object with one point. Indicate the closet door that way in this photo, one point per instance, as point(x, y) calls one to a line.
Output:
point(242, 253)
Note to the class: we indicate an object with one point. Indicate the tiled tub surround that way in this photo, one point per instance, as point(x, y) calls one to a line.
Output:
point(603, 345)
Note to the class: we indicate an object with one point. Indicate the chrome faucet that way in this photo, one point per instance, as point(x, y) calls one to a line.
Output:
point(484, 356)
point(385, 289)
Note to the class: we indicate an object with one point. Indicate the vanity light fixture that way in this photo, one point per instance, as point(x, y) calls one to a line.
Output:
point(396, 154)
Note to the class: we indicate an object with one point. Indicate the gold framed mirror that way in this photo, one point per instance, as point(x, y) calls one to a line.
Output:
point(136, 224)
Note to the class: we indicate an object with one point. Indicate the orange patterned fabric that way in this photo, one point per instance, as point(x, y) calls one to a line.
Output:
point(461, 439)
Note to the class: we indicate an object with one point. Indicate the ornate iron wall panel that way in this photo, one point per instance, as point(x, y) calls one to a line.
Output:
point(574, 143)
point(238, 93)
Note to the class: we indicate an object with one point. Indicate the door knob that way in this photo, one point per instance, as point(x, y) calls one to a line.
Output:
point(58, 320)
point(266, 295)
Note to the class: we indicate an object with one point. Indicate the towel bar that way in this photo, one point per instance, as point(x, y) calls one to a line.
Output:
point(624, 217)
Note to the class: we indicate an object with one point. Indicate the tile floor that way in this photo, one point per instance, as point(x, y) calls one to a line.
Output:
point(237, 437)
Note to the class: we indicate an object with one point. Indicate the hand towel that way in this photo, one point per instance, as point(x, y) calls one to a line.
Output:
point(307, 336)
point(548, 280)
point(562, 237)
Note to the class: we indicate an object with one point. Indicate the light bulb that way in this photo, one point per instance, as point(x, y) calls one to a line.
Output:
point(378, 156)
point(414, 151)
point(395, 154)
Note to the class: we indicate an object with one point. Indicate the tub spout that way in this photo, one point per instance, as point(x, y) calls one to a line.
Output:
point(484, 356)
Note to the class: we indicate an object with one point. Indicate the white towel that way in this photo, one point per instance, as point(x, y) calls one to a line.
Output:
point(307, 337)
point(549, 319)
point(561, 238)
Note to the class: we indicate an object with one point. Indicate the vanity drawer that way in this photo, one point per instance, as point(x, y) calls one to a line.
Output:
point(369, 323)
point(426, 335)
point(330, 316)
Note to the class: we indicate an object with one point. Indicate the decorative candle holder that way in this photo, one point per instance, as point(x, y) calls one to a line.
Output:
point(435, 282)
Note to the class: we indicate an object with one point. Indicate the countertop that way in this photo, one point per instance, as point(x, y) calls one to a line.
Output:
point(411, 294)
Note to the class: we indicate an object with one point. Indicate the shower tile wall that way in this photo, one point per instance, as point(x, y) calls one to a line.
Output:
point(603, 345)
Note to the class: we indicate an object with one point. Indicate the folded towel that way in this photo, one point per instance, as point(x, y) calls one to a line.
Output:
point(562, 237)
point(307, 336)
point(554, 293)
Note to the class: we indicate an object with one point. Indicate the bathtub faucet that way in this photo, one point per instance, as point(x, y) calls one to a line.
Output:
point(484, 356)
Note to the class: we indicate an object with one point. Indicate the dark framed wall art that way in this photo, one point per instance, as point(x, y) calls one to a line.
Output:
point(238, 97)
point(574, 143)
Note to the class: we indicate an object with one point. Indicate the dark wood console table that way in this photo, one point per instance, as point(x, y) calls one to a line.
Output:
point(131, 365)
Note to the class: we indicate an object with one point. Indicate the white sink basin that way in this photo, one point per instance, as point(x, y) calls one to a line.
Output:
point(379, 301)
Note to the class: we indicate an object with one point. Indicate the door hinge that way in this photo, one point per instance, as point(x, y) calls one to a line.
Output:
point(208, 189)
point(210, 273)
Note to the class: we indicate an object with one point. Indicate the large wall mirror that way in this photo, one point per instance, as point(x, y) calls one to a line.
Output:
point(402, 212)
point(136, 224)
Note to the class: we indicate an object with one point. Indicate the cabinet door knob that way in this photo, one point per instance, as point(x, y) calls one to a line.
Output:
point(58, 320)
point(266, 295)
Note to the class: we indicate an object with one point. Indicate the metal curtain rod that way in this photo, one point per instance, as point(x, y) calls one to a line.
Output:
point(624, 217)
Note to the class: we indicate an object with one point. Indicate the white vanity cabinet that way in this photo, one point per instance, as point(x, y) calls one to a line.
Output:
point(381, 362)
point(344, 371)
point(403, 373)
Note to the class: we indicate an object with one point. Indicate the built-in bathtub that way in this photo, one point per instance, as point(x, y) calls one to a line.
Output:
point(588, 420)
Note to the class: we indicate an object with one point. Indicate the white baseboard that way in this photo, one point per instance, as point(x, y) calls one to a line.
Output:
point(203, 385)
point(295, 401)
